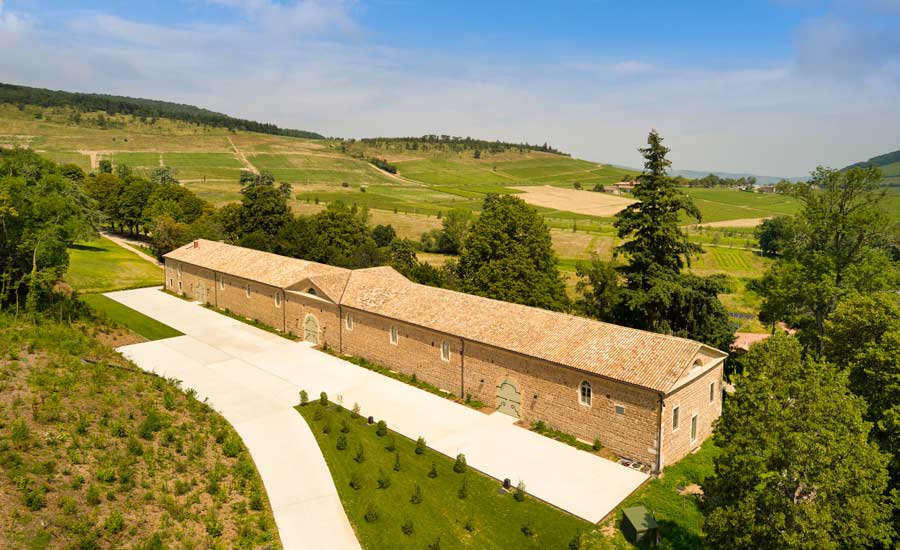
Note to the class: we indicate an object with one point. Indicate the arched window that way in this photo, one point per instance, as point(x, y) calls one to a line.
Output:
point(311, 290)
point(585, 393)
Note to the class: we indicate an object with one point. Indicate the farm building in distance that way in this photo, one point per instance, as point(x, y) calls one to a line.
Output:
point(647, 397)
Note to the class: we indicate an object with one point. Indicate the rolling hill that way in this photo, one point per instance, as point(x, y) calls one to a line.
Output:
point(888, 163)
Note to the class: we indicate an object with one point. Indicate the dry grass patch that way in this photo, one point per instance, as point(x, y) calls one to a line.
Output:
point(573, 200)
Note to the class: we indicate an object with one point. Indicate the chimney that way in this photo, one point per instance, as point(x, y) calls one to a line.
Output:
point(196, 244)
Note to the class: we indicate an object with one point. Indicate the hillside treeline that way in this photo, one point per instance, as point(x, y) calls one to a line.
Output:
point(147, 108)
point(447, 143)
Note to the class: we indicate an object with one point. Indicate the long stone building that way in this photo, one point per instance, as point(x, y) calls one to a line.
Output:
point(647, 397)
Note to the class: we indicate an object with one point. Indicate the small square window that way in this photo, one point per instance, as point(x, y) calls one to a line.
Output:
point(395, 336)
point(585, 393)
point(247, 290)
point(620, 409)
point(675, 413)
point(694, 428)
point(349, 320)
point(712, 392)
point(445, 350)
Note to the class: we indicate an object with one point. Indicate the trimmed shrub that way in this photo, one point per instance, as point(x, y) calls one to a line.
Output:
point(469, 524)
point(354, 412)
point(326, 429)
point(597, 445)
point(575, 543)
point(416, 497)
point(356, 481)
point(432, 473)
point(345, 428)
point(381, 428)
point(463, 492)
point(391, 445)
point(384, 480)
point(519, 494)
point(360, 454)
point(341, 443)
point(460, 465)
point(527, 529)
point(420, 445)
point(407, 527)
point(323, 399)
point(304, 398)
point(371, 514)
point(396, 462)
point(318, 414)
point(436, 545)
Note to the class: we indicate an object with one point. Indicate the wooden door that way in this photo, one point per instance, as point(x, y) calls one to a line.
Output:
point(508, 398)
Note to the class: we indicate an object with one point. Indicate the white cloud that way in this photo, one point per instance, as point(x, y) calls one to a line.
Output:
point(775, 118)
point(297, 16)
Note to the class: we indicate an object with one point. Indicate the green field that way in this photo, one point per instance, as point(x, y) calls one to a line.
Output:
point(316, 168)
point(722, 204)
point(137, 322)
point(485, 519)
point(103, 266)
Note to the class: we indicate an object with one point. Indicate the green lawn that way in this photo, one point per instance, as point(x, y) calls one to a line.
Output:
point(485, 519)
point(204, 165)
point(137, 322)
point(103, 266)
point(679, 516)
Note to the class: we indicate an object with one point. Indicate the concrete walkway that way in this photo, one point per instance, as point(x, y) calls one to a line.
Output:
point(252, 375)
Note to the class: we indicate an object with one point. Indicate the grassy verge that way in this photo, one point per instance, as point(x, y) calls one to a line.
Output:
point(674, 501)
point(380, 503)
point(99, 454)
point(103, 266)
point(562, 437)
point(137, 322)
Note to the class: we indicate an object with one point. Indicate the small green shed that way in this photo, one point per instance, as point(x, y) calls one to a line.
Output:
point(639, 527)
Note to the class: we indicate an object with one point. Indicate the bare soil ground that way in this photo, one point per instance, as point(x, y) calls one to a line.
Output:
point(573, 200)
point(744, 222)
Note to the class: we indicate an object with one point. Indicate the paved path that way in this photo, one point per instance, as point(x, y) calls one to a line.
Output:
point(259, 369)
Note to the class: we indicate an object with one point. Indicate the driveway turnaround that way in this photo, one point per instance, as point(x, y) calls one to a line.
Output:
point(253, 377)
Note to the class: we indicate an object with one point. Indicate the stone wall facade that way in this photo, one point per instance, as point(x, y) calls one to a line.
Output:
point(417, 351)
point(623, 418)
point(700, 398)
point(301, 305)
point(626, 419)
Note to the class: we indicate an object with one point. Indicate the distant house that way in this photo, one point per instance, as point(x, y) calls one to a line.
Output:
point(621, 187)
point(647, 397)
point(765, 189)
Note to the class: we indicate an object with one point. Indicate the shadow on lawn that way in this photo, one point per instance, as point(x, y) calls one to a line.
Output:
point(87, 248)
point(676, 537)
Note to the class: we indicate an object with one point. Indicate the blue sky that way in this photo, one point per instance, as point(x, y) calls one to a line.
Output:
point(771, 87)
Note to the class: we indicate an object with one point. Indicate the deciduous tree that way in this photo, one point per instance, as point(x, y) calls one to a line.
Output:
point(796, 468)
point(508, 255)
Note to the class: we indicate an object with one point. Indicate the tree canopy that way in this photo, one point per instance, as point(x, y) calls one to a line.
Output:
point(41, 213)
point(796, 468)
point(650, 291)
point(838, 245)
point(507, 255)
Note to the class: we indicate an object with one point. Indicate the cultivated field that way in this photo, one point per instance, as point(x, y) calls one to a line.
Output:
point(573, 200)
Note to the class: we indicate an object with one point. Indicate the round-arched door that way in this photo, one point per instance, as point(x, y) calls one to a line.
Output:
point(508, 398)
point(311, 329)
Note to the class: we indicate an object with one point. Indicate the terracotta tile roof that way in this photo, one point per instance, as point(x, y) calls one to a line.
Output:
point(270, 269)
point(646, 359)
